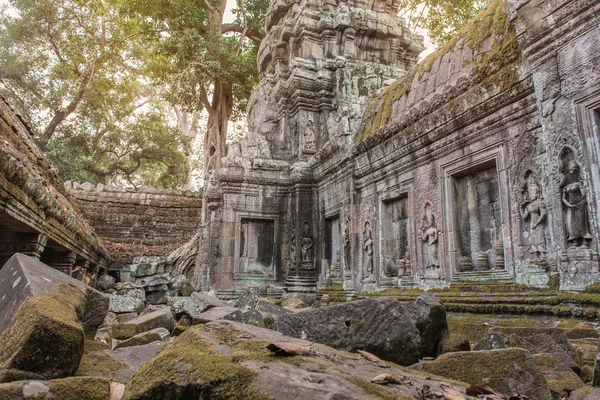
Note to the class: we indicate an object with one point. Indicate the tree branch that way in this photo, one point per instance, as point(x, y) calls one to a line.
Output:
point(250, 33)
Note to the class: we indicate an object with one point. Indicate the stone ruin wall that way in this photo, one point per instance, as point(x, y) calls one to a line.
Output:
point(460, 170)
point(147, 223)
point(38, 216)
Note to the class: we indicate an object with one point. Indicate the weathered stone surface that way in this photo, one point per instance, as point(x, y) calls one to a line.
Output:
point(134, 357)
point(507, 371)
point(267, 308)
point(125, 304)
point(214, 314)
point(429, 316)
point(161, 318)
point(158, 334)
point(559, 371)
point(586, 393)
point(126, 317)
point(75, 388)
point(190, 306)
point(159, 218)
point(106, 282)
point(539, 343)
point(453, 342)
point(11, 375)
point(384, 327)
point(247, 301)
point(23, 276)
point(211, 301)
point(182, 285)
point(46, 333)
point(200, 365)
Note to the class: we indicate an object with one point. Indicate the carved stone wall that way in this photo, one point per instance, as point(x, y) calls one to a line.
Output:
point(480, 163)
point(38, 216)
point(148, 222)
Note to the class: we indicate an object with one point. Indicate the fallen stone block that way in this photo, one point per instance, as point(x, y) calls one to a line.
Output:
point(247, 301)
point(213, 314)
point(23, 276)
point(193, 366)
point(267, 308)
point(161, 318)
point(560, 372)
point(507, 371)
point(125, 304)
point(211, 301)
point(46, 334)
point(190, 306)
point(158, 334)
point(75, 388)
point(454, 342)
point(11, 375)
point(429, 316)
point(384, 327)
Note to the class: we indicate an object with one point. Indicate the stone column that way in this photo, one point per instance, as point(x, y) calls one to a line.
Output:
point(30, 244)
point(63, 261)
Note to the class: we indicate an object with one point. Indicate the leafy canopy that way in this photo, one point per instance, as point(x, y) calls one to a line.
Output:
point(76, 70)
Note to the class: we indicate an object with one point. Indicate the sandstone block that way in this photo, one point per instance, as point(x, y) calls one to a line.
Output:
point(384, 327)
point(507, 371)
point(125, 304)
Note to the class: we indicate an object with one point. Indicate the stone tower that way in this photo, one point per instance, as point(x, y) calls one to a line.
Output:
point(319, 63)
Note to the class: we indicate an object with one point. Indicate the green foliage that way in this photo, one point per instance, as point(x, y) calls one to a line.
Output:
point(440, 18)
point(190, 53)
point(75, 69)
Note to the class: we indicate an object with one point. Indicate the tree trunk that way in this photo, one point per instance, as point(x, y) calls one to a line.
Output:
point(189, 129)
point(215, 140)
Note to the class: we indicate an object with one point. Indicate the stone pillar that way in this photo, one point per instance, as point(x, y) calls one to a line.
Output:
point(30, 244)
point(63, 261)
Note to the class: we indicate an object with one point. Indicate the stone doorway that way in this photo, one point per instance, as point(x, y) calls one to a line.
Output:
point(332, 250)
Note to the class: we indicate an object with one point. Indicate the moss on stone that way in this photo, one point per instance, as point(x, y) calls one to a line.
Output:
point(497, 67)
point(100, 363)
point(74, 388)
point(269, 321)
point(359, 326)
point(46, 336)
point(374, 391)
point(186, 368)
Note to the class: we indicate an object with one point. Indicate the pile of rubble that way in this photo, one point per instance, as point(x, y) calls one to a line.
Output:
point(62, 339)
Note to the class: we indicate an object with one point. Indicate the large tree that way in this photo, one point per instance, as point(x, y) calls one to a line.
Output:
point(75, 68)
point(205, 63)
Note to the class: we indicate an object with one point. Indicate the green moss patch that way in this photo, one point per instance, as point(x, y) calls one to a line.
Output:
point(97, 361)
point(494, 67)
point(187, 368)
point(46, 336)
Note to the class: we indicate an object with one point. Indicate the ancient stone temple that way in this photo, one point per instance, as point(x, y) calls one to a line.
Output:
point(38, 216)
point(366, 170)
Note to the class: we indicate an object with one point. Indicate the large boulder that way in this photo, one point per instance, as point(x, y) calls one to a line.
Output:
point(384, 327)
point(429, 316)
point(43, 316)
point(23, 277)
point(230, 360)
point(507, 371)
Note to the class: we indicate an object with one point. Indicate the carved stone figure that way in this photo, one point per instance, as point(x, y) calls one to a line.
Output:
point(574, 204)
point(534, 210)
point(429, 234)
point(307, 243)
point(309, 137)
point(368, 248)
